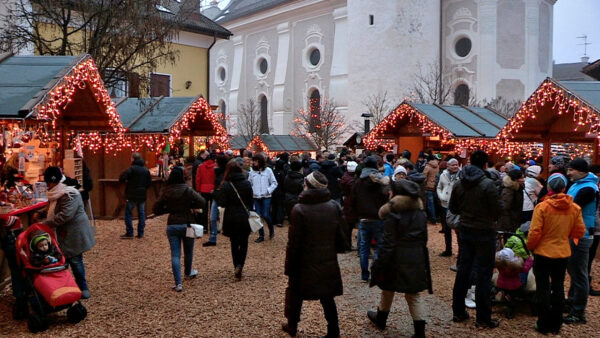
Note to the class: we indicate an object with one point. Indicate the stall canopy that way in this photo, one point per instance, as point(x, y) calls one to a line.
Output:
point(447, 125)
point(64, 90)
point(173, 116)
point(558, 112)
point(239, 141)
point(280, 143)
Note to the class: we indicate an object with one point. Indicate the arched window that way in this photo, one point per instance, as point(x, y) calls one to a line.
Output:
point(461, 95)
point(314, 106)
point(264, 117)
point(223, 117)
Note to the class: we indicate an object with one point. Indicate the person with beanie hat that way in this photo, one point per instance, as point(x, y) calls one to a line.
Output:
point(555, 220)
point(66, 214)
point(347, 184)
point(446, 181)
point(399, 173)
point(314, 274)
point(403, 263)
point(584, 191)
point(531, 193)
point(43, 251)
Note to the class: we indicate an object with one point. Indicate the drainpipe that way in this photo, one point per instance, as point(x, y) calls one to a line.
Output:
point(441, 46)
point(208, 67)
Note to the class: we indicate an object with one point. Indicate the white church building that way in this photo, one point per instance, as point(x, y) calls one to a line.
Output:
point(285, 52)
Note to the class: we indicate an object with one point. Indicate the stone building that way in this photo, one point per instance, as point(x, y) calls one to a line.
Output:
point(285, 52)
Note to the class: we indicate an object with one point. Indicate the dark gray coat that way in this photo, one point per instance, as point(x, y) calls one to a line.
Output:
point(73, 229)
point(402, 264)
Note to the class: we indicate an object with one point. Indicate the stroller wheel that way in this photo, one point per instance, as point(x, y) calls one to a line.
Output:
point(76, 313)
point(37, 323)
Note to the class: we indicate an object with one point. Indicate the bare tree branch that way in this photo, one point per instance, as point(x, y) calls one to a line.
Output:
point(322, 124)
point(377, 105)
point(248, 121)
point(432, 84)
point(506, 108)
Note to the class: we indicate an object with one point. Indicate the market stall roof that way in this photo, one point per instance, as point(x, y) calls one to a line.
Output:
point(445, 121)
point(239, 141)
point(66, 90)
point(173, 116)
point(563, 111)
point(281, 143)
point(593, 69)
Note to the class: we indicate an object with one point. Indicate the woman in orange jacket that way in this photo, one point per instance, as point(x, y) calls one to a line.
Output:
point(555, 220)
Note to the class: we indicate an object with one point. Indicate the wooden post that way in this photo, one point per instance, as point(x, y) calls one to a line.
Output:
point(546, 153)
point(63, 147)
point(595, 159)
point(191, 145)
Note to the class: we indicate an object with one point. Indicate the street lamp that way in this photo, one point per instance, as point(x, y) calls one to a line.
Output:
point(367, 117)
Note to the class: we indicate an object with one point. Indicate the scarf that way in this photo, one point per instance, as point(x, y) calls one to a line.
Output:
point(55, 193)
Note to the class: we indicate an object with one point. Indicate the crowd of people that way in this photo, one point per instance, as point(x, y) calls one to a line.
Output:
point(513, 228)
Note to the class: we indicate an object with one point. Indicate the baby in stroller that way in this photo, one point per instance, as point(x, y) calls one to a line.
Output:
point(47, 277)
point(514, 279)
point(43, 252)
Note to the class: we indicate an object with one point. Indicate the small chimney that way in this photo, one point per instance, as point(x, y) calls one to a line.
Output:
point(585, 59)
point(367, 118)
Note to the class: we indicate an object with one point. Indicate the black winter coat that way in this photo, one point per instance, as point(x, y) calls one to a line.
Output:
point(315, 237)
point(292, 186)
point(475, 198)
point(402, 262)
point(235, 219)
point(178, 200)
point(512, 205)
point(333, 174)
point(369, 194)
point(138, 180)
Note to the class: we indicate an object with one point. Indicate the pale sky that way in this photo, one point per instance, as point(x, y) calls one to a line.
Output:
point(573, 18)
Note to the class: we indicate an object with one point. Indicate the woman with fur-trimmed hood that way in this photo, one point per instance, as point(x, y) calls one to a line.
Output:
point(403, 262)
point(512, 200)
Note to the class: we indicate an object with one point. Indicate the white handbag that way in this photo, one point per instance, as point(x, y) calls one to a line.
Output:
point(254, 219)
point(194, 231)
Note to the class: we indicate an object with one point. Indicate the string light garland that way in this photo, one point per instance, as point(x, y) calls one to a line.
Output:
point(85, 74)
point(257, 144)
point(201, 109)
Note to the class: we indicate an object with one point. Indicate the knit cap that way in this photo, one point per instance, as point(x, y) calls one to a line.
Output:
point(39, 236)
point(351, 166)
point(557, 182)
point(399, 169)
point(579, 164)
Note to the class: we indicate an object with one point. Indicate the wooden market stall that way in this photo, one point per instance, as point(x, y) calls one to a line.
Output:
point(177, 125)
point(442, 128)
point(44, 102)
point(355, 141)
point(275, 144)
point(559, 117)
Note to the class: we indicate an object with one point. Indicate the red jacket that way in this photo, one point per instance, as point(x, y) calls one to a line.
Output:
point(205, 177)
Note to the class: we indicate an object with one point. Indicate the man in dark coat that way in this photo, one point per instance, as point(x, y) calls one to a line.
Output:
point(137, 179)
point(278, 198)
point(403, 262)
point(316, 236)
point(333, 173)
point(346, 185)
point(293, 186)
point(475, 198)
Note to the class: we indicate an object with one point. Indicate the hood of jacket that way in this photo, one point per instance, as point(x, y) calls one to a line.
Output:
point(507, 182)
point(560, 201)
point(328, 164)
point(139, 162)
point(209, 164)
point(494, 174)
point(314, 196)
point(366, 172)
point(416, 177)
point(400, 203)
point(471, 175)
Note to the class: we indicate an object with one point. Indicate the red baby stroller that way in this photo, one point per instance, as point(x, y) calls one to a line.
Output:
point(52, 285)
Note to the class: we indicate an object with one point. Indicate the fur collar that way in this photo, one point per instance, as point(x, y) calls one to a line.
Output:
point(509, 183)
point(400, 203)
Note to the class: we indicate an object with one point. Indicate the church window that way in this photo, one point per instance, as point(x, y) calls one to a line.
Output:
point(463, 47)
point(222, 74)
point(315, 57)
point(264, 117)
point(371, 20)
point(461, 95)
point(263, 65)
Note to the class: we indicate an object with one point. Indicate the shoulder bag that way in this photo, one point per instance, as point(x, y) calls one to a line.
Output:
point(253, 218)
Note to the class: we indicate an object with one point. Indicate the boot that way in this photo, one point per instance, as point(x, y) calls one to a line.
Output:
point(292, 330)
point(419, 329)
point(378, 318)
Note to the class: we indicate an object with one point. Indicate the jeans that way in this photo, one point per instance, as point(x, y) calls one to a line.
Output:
point(214, 218)
point(141, 207)
point(578, 270)
point(239, 248)
point(205, 219)
point(477, 251)
point(76, 264)
point(549, 295)
point(447, 230)
point(430, 199)
point(176, 235)
point(369, 230)
point(262, 206)
point(293, 309)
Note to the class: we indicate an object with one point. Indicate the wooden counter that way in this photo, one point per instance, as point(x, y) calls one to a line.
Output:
point(114, 196)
